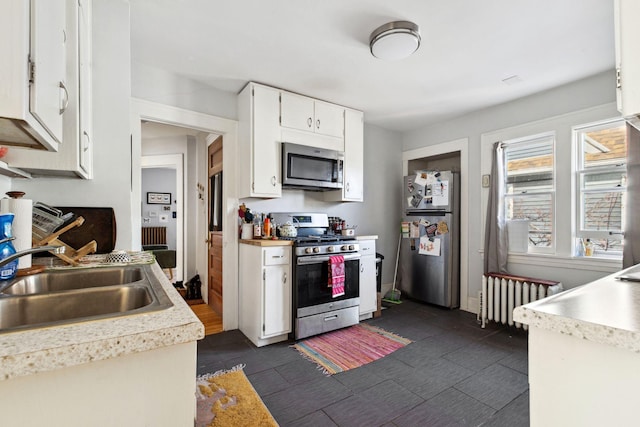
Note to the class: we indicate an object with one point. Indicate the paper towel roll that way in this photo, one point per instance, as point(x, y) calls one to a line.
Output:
point(21, 228)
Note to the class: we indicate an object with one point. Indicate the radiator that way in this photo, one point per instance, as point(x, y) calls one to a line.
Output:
point(501, 293)
point(154, 235)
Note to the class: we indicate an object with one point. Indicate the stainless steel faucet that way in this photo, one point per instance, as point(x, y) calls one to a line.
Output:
point(37, 249)
point(4, 284)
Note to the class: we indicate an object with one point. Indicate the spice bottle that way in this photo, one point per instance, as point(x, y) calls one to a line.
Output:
point(257, 227)
point(266, 229)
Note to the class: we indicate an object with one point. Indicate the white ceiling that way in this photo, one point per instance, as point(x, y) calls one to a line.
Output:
point(320, 49)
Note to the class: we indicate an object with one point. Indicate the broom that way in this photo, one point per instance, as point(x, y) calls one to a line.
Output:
point(393, 296)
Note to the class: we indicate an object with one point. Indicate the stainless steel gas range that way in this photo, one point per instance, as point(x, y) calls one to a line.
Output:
point(315, 310)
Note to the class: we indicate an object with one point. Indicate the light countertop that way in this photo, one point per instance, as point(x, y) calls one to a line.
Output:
point(369, 237)
point(606, 311)
point(39, 350)
point(266, 242)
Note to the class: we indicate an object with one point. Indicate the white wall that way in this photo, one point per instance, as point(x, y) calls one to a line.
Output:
point(111, 185)
point(163, 87)
point(160, 180)
point(590, 92)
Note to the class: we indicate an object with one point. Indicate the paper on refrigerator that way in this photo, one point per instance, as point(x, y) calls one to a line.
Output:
point(440, 193)
point(429, 246)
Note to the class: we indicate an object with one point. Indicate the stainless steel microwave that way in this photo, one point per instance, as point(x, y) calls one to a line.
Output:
point(311, 168)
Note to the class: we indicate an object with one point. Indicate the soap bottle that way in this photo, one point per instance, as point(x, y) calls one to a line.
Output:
point(588, 248)
point(9, 270)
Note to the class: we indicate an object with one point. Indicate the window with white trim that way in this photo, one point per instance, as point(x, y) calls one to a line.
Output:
point(529, 192)
point(601, 180)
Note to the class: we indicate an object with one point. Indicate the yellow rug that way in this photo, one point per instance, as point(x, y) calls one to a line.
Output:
point(227, 398)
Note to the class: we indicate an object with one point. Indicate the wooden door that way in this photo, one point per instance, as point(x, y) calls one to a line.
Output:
point(215, 230)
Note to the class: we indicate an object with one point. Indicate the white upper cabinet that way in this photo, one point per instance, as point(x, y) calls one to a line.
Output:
point(353, 168)
point(74, 157)
point(33, 87)
point(259, 142)
point(627, 15)
point(307, 114)
point(268, 116)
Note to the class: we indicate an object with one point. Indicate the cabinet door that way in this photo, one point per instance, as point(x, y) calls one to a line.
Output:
point(277, 300)
point(368, 291)
point(627, 33)
point(85, 87)
point(296, 111)
point(368, 294)
point(48, 96)
point(329, 119)
point(266, 143)
point(353, 156)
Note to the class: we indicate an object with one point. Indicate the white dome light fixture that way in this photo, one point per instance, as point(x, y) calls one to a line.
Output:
point(395, 40)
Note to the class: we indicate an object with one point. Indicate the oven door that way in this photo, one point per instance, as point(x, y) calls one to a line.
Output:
point(312, 278)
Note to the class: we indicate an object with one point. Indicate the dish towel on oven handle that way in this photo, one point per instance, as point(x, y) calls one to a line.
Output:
point(336, 275)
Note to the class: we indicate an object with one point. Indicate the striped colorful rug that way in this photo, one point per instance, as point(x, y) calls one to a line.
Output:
point(349, 348)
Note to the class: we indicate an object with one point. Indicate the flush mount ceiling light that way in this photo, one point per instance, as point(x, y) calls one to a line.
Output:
point(395, 40)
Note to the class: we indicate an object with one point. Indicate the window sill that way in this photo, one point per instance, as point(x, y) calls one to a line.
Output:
point(600, 264)
point(594, 263)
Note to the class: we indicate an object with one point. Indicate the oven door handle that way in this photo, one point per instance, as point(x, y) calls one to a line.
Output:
point(304, 260)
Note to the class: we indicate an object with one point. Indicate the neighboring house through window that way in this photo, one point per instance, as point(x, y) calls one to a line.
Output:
point(530, 192)
point(601, 179)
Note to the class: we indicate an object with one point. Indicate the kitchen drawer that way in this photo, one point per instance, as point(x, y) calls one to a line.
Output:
point(277, 255)
point(367, 247)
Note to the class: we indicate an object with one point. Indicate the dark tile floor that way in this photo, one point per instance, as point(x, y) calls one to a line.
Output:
point(453, 374)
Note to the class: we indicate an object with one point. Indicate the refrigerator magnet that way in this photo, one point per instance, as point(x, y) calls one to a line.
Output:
point(421, 179)
point(443, 228)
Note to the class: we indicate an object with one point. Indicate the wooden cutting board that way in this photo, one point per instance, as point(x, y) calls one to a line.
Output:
point(99, 225)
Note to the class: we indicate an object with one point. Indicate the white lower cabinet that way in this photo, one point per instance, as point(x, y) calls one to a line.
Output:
point(368, 292)
point(265, 293)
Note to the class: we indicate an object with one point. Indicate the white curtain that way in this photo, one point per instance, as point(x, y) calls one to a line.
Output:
point(496, 244)
point(631, 254)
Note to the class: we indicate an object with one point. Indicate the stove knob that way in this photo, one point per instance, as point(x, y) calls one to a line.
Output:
point(344, 247)
point(330, 249)
point(351, 247)
point(316, 249)
point(308, 250)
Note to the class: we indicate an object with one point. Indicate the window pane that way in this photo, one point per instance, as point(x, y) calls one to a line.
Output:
point(612, 246)
point(538, 209)
point(605, 180)
point(602, 211)
point(604, 147)
point(529, 166)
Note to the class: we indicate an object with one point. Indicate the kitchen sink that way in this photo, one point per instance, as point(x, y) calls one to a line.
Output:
point(61, 280)
point(73, 296)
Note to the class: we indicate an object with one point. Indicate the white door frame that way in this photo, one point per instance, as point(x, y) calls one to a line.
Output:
point(460, 145)
point(176, 162)
point(147, 110)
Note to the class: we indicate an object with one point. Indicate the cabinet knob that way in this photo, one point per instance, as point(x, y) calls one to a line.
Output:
point(362, 269)
point(347, 187)
point(318, 124)
point(309, 122)
point(273, 180)
point(284, 278)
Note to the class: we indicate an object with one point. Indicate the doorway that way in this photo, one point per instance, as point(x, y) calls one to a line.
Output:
point(216, 196)
point(196, 219)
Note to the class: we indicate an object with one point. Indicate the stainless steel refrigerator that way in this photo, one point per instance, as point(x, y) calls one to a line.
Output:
point(430, 244)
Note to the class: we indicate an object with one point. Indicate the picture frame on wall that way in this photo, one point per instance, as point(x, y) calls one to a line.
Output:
point(158, 198)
